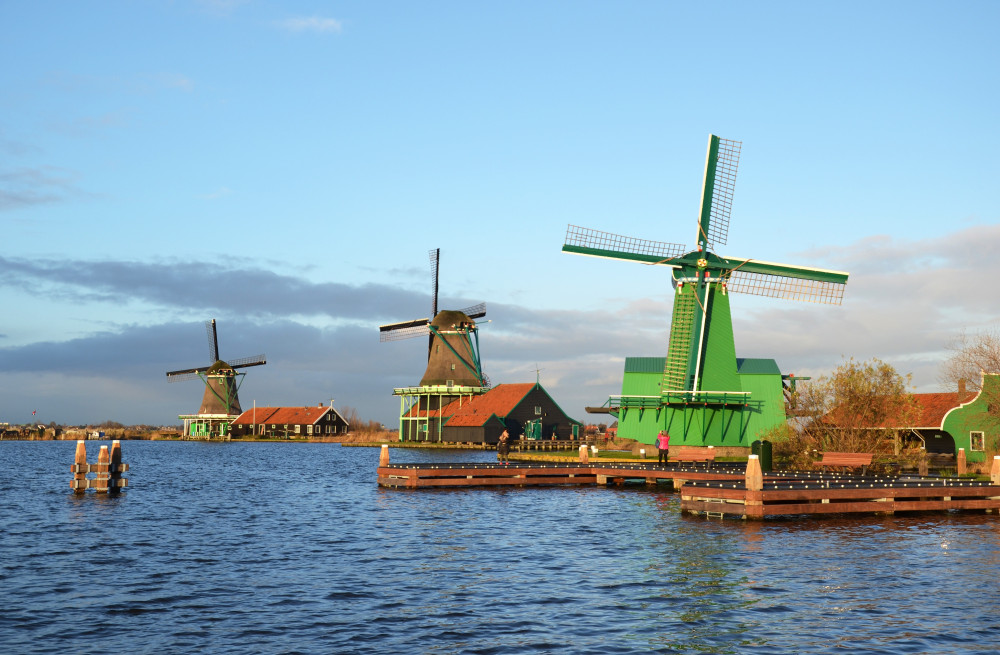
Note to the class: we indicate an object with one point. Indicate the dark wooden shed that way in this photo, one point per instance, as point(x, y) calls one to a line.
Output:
point(519, 408)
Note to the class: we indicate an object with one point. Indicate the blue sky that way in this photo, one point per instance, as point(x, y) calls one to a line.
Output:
point(284, 167)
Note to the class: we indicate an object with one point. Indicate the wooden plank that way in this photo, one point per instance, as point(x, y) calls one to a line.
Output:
point(491, 482)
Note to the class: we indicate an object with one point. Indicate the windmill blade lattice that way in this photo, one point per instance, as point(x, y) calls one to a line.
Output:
point(789, 288)
point(726, 164)
point(435, 256)
point(180, 376)
point(213, 341)
point(407, 330)
point(586, 241)
point(243, 362)
point(476, 311)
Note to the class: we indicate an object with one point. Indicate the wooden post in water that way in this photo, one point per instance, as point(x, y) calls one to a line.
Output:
point(960, 462)
point(995, 471)
point(79, 481)
point(584, 455)
point(102, 479)
point(754, 502)
point(115, 481)
point(383, 456)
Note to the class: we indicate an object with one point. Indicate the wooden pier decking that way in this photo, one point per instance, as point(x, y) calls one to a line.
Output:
point(722, 489)
point(415, 476)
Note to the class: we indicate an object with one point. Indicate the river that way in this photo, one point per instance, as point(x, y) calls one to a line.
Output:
point(293, 548)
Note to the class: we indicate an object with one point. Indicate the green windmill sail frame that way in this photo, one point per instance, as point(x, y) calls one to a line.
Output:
point(700, 366)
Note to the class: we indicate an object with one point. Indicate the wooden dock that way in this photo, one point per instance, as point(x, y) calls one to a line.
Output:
point(416, 476)
point(721, 489)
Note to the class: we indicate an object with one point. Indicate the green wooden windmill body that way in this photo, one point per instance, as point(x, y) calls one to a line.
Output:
point(701, 393)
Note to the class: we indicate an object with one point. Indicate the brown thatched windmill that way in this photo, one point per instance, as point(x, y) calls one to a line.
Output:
point(453, 369)
point(220, 403)
point(453, 343)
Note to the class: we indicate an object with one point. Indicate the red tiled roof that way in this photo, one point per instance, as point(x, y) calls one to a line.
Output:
point(447, 410)
point(499, 401)
point(282, 415)
point(930, 411)
point(933, 406)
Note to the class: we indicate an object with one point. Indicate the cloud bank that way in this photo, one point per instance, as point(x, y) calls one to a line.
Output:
point(905, 301)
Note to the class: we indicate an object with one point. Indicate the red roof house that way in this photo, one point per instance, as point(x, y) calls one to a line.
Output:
point(289, 422)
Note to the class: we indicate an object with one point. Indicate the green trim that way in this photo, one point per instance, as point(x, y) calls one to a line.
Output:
point(784, 270)
point(477, 371)
point(542, 389)
point(707, 189)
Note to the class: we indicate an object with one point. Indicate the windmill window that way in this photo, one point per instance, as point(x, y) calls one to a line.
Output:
point(977, 441)
point(453, 367)
point(538, 410)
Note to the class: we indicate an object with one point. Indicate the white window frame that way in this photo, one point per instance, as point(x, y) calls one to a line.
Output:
point(977, 436)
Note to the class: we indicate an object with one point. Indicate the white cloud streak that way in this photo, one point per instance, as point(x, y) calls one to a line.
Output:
point(311, 24)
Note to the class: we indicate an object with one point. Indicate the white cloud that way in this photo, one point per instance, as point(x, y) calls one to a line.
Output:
point(221, 192)
point(311, 24)
point(176, 81)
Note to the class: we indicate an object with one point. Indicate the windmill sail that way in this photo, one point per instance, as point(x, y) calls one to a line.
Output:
point(721, 163)
point(702, 279)
point(595, 243)
point(788, 288)
point(419, 327)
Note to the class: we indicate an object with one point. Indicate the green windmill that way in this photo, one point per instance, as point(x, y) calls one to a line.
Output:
point(700, 391)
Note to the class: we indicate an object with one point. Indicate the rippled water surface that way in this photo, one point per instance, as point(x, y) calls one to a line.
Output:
point(292, 548)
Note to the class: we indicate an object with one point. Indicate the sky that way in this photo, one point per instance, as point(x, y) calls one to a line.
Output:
point(285, 167)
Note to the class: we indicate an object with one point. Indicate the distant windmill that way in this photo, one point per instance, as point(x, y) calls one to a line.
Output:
point(453, 343)
point(701, 370)
point(221, 386)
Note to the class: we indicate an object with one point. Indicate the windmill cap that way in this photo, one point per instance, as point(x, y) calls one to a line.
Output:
point(219, 367)
point(448, 318)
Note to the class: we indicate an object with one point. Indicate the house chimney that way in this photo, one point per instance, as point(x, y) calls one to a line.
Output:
point(961, 386)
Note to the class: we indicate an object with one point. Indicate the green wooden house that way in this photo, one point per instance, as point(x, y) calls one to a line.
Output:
point(975, 424)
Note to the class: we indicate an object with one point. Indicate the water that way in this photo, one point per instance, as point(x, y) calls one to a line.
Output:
point(292, 548)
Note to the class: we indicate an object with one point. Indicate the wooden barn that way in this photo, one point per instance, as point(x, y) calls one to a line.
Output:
point(289, 422)
point(525, 410)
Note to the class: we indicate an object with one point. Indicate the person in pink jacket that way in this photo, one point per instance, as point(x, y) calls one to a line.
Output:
point(663, 444)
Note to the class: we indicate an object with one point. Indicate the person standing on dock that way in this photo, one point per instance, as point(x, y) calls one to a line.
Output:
point(663, 444)
point(503, 447)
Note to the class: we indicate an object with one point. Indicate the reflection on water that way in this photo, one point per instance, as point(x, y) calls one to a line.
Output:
point(292, 548)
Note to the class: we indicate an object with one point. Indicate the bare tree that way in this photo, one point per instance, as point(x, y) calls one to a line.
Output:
point(971, 356)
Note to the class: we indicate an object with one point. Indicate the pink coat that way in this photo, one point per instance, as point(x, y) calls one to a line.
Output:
point(663, 441)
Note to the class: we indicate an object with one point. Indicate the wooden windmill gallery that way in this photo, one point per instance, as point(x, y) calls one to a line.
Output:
point(700, 392)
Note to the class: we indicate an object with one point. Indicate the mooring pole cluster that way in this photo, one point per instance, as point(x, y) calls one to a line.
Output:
point(107, 471)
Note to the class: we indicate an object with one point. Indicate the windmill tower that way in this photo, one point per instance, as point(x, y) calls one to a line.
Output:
point(454, 370)
point(700, 392)
point(220, 403)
